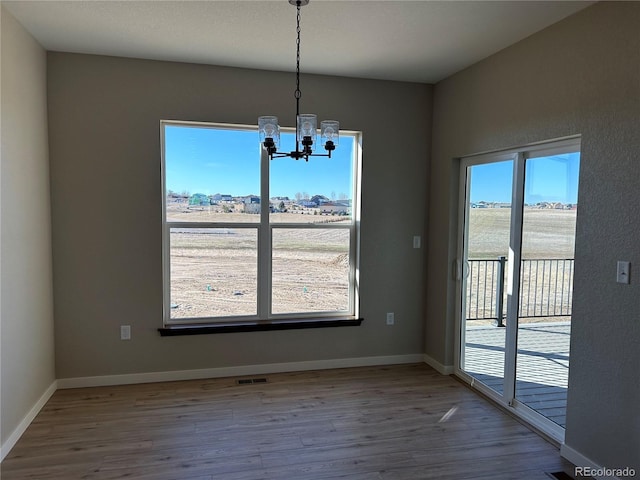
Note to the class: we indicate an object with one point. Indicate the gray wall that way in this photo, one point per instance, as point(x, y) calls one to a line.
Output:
point(104, 115)
point(26, 307)
point(579, 76)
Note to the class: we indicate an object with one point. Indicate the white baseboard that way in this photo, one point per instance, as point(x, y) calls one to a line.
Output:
point(443, 369)
point(243, 370)
point(580, 460)
point(26, 421)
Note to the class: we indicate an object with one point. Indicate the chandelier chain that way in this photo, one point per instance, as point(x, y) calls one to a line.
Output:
point(298, 94)
point(306, 130)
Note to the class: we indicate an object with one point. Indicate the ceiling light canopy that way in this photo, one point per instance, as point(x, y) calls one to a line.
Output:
point(306, 123)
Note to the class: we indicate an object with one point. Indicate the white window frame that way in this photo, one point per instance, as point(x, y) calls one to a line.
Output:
point(264, 229)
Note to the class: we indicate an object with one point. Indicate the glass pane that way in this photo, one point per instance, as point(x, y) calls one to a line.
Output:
point(487, 246)
point(317, 191)
point(310, 270)
point(214, 272)
point(212, 174)
point(546, 283)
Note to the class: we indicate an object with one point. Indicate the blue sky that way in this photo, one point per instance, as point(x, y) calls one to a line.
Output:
point(209, 161)
point(547, 179)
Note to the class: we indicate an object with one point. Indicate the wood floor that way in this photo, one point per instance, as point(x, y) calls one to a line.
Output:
point(376, 423)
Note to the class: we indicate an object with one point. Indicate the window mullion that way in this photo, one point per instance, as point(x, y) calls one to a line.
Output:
point(264, 241)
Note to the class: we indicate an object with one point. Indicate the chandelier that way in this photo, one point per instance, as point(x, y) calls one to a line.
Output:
point(306, 124)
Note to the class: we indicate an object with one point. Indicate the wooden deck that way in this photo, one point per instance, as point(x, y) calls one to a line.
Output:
point(542, 364)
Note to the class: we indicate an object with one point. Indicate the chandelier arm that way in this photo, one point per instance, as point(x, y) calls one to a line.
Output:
point(298, 155)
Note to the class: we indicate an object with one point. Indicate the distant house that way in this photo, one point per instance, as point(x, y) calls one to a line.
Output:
point(334, 208)
point(280, 204)
point(220, 198)
point(320, 200)
point(552, 205)
point(249, 204)
point(199, 199)
point(177, 197)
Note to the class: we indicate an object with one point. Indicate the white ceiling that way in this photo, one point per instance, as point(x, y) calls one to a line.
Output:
point(417, 41)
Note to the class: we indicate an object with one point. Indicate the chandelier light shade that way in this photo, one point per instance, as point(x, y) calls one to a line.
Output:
point(330, 134)
point(306, 124)
point(269, 130)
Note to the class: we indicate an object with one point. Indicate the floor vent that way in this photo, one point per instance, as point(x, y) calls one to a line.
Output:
point(560, 476)
point(251, 381)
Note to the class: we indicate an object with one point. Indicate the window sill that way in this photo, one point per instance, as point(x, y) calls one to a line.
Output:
point(179, 330)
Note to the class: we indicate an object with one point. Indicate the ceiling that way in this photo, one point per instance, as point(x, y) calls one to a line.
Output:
point(415, 41)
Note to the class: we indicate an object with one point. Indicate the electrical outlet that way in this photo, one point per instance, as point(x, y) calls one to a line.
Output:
point(125, 332)
point(391, 319)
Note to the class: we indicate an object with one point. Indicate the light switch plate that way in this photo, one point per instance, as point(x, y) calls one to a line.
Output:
point(623, 272)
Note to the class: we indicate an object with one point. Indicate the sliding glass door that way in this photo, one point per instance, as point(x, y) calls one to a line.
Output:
point(516, 277)
point(488, 214)
point(546, 282)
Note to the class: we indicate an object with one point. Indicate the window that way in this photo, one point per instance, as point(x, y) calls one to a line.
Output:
point(232, 256)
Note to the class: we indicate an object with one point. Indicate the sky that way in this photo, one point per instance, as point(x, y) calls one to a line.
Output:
point(547, 179)
point(212, 160)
